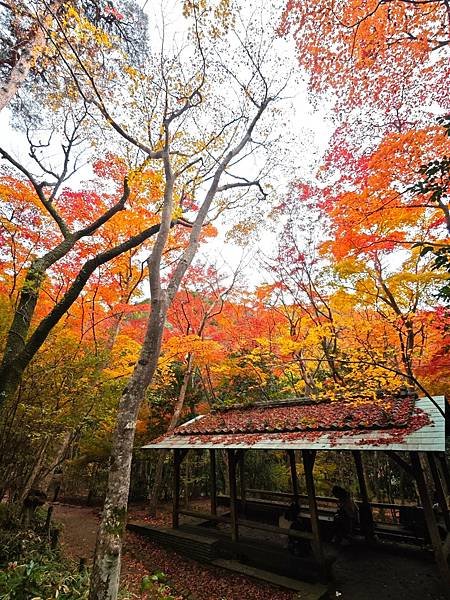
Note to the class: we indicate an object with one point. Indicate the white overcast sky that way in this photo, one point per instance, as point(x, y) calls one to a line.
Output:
point(309, 132)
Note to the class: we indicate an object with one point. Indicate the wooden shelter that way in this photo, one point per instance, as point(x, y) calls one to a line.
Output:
point(410, 431)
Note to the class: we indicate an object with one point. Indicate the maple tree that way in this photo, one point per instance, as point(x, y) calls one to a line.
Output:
point(364, 296)
point(66, 228)
point(89, 328)
point(179, 93)
point(200, 300)
point(389, 56)
point(382, 184)
point(57, 40)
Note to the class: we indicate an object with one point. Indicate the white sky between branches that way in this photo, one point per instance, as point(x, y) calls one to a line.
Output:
point(309, 132)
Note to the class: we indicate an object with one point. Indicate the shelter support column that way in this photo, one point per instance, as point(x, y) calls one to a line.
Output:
point(308, 457)
point(440, 493)
point(366, 517)
point(233, 495)
point(240, 457)
point(213, 487)
point(440, 549)
point(178, 455)
point(445, 470)
point(294, 479)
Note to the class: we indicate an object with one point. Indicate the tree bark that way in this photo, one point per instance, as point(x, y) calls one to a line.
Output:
point(35, 471)
point(21, 69)
point(57, 459)
point(106, 568)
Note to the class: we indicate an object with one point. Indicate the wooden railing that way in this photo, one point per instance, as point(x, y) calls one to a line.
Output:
point(327, 499)
point(245, 523)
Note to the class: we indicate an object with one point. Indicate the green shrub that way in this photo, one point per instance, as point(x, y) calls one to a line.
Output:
point(30, 568)
point(9, 516)
point(44, 580)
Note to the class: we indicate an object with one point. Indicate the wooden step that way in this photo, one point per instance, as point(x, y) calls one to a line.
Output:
point(305, 591)
point(187, 543)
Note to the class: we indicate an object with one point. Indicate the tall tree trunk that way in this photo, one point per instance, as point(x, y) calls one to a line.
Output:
point(11, 370)
point(19, 72)
point(28, 485)
point(45, 481)
point(29, 51)
point(10, 373)
point(106, 568)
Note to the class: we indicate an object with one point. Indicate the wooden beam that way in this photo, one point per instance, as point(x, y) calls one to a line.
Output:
point(438, 546)
point(308, 457)
point(440, 494)
point(233, 495)
point(294, 478)
point(402, 463)
point(213, 483)
point(366, 516)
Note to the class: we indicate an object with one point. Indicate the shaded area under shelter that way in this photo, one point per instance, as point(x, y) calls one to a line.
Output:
point(244, 525)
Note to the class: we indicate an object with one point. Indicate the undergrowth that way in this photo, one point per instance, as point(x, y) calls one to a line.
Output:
point(29, 567)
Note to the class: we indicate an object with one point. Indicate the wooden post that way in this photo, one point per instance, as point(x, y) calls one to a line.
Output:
point(176, 488)
point(308, 457)
point(366, 517)
point(440, 494)
point(445, 471)
point(294, 479)
point(212, 463)
point(178, 455)
point(438, 546)
point(242, 479)
point(233, 495)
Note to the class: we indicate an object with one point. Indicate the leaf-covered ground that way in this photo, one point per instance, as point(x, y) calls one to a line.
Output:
point(186, 577)
point(360, 575)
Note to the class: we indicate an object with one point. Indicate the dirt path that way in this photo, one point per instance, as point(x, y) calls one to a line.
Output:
point(78, 539)
point(79, 532)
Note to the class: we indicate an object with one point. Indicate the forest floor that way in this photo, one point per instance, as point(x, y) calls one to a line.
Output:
point(360, 574)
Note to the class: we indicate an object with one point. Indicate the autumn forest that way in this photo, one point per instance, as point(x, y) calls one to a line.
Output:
point(205, 206)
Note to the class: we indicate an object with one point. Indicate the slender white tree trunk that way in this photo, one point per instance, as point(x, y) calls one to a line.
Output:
point(106, 569)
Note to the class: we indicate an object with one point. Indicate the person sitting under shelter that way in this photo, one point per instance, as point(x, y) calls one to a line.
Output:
point(296, 546)
point(346, 516)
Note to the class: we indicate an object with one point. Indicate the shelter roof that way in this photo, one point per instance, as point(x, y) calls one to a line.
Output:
point(394, 423)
